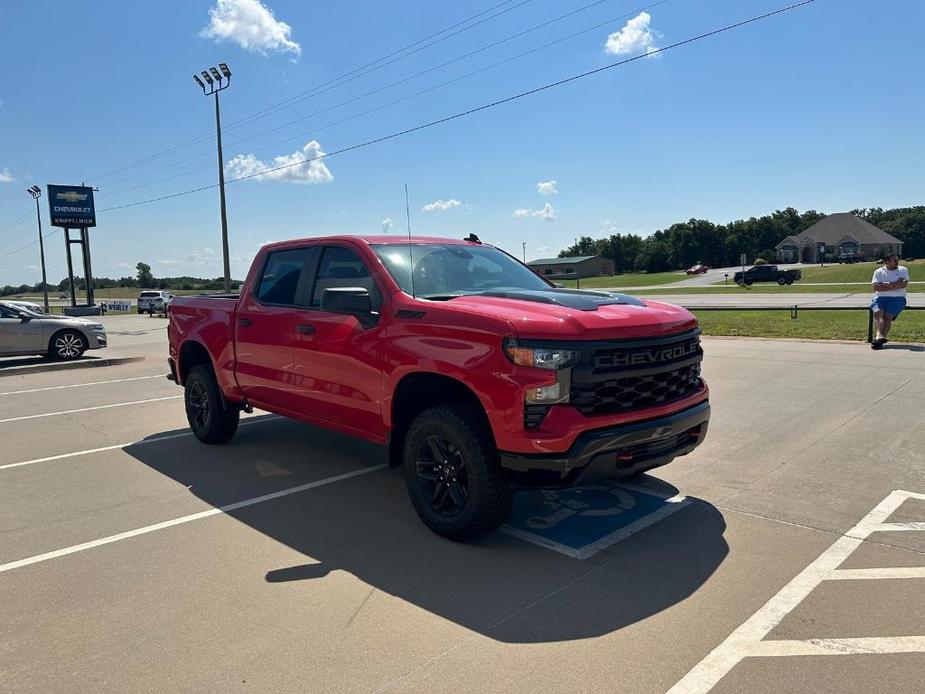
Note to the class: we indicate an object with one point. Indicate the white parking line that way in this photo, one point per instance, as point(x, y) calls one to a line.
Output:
point(140, 442)
point(83, 385)
point(747, 639)
point(73, 549)
point(88, 409)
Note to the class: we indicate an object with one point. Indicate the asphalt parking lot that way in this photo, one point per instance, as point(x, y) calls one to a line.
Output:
point(787, 553)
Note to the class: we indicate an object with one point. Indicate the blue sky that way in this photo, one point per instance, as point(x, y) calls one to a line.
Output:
point(821, 107)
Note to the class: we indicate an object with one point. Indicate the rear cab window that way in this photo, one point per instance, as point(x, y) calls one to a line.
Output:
point(281, 276)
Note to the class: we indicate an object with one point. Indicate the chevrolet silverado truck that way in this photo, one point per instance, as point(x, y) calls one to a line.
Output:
point(478, 377)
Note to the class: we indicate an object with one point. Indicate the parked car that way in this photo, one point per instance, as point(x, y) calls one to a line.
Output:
point(478, 375)
point(697, 269)
point(24, 332)
point(766, 273)
point(154, 301)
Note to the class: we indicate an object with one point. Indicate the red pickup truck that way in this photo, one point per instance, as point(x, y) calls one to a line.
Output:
point(479, 376)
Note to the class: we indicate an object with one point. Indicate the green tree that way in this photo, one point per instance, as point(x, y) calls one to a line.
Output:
point(145, 278)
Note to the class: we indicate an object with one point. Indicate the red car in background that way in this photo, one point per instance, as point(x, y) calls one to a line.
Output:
point(697, 269)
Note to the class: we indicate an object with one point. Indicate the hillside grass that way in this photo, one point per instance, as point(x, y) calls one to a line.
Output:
point(850, 324)
point(796, 288)
point(631, 279)
point(857, 272)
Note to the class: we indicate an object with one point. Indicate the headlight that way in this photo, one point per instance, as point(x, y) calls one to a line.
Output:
point(552, 358)
point(97, 326)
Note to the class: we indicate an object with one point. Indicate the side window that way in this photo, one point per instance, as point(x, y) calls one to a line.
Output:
point(6, 312)
point(280, 279)
point(341, 267)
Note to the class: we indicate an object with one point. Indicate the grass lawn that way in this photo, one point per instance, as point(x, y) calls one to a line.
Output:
point(112, 293)
point(769, 289)
point(857, 272)
point(814, 325)
point(634, 279)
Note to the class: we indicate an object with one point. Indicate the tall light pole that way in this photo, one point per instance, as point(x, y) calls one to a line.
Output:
point(222, 80)
point(525, 251)
point(36, 193)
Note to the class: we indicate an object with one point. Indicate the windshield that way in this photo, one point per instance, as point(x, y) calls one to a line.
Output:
point(448, 270)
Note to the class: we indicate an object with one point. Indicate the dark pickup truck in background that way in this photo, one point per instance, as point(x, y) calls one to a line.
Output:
point(766, 273)
point(479, 376)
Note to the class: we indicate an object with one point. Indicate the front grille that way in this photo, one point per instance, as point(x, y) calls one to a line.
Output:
point(615, 378)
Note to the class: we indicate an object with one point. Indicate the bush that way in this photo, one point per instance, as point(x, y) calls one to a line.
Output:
point(760, 261)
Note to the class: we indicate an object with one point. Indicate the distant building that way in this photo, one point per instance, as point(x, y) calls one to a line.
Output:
point(575, 266)
point(844, 235)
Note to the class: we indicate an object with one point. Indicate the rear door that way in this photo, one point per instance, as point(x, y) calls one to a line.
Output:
point(265, 326)
point(338, 358)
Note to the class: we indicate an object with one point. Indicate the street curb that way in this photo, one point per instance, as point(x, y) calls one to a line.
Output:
point(85, 363)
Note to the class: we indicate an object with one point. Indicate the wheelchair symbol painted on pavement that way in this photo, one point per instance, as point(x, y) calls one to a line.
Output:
point(569, 503)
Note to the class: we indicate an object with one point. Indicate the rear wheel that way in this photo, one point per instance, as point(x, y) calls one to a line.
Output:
point(782, 281)
point(212, 418)
point(452, 473)
point(67, 345)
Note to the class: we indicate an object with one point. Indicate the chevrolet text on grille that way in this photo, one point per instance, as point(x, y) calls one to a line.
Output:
point(653, 356)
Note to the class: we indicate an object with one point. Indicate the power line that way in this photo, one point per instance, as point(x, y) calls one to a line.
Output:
point(433, 68)
point(478, 109)
point(350, 73)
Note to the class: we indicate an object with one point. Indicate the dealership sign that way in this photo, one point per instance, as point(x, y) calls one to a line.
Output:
point(71, 206)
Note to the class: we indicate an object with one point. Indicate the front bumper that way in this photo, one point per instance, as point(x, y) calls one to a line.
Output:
point(612, 452)
point(96, 339)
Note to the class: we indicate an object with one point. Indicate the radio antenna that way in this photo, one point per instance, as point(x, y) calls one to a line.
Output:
point(410, 254)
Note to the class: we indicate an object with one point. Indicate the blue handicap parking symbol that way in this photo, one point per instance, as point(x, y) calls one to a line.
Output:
point(582, 521)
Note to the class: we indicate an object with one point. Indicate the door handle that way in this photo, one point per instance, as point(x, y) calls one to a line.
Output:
point(305, 329)
point(244, 322)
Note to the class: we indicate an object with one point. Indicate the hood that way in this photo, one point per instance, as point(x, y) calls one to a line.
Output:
point(580, 315)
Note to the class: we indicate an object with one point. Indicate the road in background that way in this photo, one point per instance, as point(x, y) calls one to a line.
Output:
point(118, 571)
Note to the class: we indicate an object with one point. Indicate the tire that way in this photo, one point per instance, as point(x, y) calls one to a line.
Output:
point(452, 473)
point(67, 345)
point(212, 418)
point(741, 283)
point(782, 281)
point(789, 282)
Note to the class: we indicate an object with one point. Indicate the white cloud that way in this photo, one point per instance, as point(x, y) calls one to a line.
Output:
point(544, 249)
point(440, 205)
point(6, 176)
point(31, 268)
point(387, 225)
point(547, 188)
point(547, 212)
point(635, 37)
point(251, 25)
point(608, 227)
point(197, 258)
point(313, 170)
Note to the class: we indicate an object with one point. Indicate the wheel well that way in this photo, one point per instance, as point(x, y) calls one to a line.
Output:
point(192, 354)
point(422, 391)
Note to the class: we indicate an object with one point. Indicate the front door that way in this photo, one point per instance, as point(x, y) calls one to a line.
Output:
point(338, 358)
point(265, 325)
point(18, 336)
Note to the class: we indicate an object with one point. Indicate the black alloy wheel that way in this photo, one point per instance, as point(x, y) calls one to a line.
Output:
point(211, 417)
point(441, 470)
point(197, 404)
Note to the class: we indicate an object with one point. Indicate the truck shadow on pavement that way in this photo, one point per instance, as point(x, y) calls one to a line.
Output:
point(499, 586)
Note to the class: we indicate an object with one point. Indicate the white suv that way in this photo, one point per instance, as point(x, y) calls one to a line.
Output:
point(154, 301)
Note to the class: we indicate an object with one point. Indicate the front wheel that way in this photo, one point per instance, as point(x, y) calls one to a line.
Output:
point(782, 281)
point(452, 473)
point(67, 345)
point(212, 418)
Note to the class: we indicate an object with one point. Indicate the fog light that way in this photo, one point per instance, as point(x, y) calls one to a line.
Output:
point(544, 394)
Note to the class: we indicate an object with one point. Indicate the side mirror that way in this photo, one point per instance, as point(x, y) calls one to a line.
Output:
point(25, 317)
point(350, 300)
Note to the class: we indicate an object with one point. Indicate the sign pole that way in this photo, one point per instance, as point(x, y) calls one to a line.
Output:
point(88, 272)
point(70, 266)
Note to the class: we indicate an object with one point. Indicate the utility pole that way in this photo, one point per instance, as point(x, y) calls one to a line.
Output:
point(36, 193)
point(214, 87)
point(525, 252)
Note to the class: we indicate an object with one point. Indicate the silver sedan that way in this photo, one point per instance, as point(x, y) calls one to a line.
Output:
point(24, 332)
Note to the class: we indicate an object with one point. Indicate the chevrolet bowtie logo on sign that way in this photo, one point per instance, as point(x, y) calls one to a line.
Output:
point(71, 196)
point(71, 206)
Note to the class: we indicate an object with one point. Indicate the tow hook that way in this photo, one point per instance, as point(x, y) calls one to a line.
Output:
point(247, 407)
